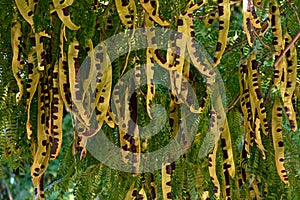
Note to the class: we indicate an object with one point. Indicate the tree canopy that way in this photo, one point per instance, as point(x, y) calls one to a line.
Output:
point(149, 99)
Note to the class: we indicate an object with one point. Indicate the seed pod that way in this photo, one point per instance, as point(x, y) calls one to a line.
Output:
point(199, 61)
point(193, 7)
point(32, 83)
point(150, 54)
point(25, 11)
point(153, 188)
point(64, 14)
point(103, 88)
point(291, 58)
point(56, 115)
point(250, 20)
point(17, 61)
point(265, 25)
point(74, 81)
point(257, 138)
point(151, 7)
point(212, 171)
point(278, 140)
point(127, 12)
point(166, 172)
point(224, 20)
point(209, 19)
point(44, 138)
point(255, 92)
point(257, 3)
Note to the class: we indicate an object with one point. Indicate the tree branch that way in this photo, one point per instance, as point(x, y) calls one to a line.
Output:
point(287, 48)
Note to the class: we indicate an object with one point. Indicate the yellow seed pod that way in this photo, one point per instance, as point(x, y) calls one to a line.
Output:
point(250, 20)
point(56, 115)
point(278, 139)
point(257, 138)
point(256, 93)
point(17, 61)
point(209, 19)
point(40, 161)
point(224, 20)
point(32, 83)
point(200, 62)
point(127, 12)
point(64, 14)
point(291, 58)
point(166, 172)
point(76, 93)
point(257, 3)
point(212, 171)
point(193, 7)
point(25, 11)
point(265, 25)
point(153, 188)
point(227, 150)
point(276, 27)
point(152, 8)
point(150, 58)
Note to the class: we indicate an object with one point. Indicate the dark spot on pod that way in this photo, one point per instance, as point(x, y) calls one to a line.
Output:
point(223, 141)
point(134, 193)
point(169, 195)
point(169, 183)
point(221, 10)
point(221, 27)
point(281, 159)
point(225, 155)
point(125, 2)
point(219, 45)
point(30, 13)
point(153, 193)
point(35, 191)
point(100, 56)
point(169, 169)
point(280, 143)
point(44, 154)
point(278, 130)
point(179, 22)
point(216, 189)
point(227, 179)
point(274, 9)
point(44, 142)
point(66, 11)
point(159, 56)
point(37, 169)
point(35, 174)
point(101, 99)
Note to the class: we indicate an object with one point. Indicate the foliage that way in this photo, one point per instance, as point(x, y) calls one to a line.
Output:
point(75, 173)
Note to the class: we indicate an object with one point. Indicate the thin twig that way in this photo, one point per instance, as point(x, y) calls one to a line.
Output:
point(294, 9)
point(234, 46)
point(233, 103)
point(287, 48)
point(262, 42)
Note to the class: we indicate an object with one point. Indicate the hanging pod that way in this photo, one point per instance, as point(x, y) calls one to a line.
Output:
point(278, 140)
